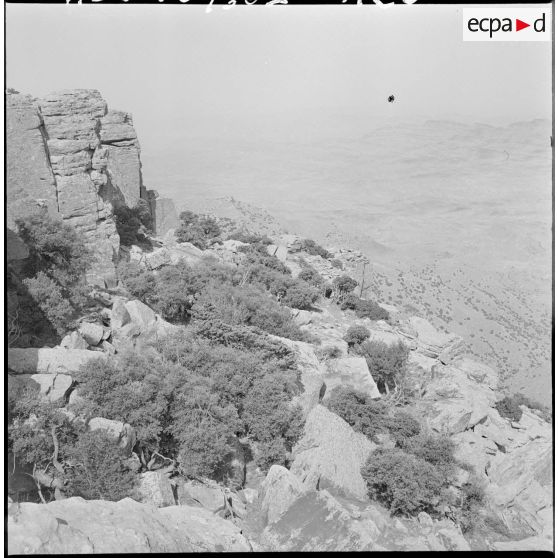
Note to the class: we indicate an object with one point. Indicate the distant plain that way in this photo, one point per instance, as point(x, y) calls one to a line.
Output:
point(455, 217)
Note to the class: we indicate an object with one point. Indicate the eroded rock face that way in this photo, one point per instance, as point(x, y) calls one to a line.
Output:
point(330, 454)
point(70, 156)
point(156, 489)
point(350, 372)
point(77, 526)
point(50, 387)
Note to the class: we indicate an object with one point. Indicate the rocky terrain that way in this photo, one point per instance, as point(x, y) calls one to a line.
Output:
point(320, 501)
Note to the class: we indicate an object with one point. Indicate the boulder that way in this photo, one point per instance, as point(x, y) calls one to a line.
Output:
point(278, 491)
point(430, 341)
point(50, 387)
point(350, 372)
point(157, 259)
point(303, 317)
point(77, 526)
point(120, 432)
point(140, 313)
point(330, 454)
point(119, 315)
point(281, 253)
point(50, 361)
point(108, 347)
point(155, 488)
point(449, 417)
point(74, 340)
point(311, 371)
point(233, 245)
point(163, 212)
point(92, 333)
point(211, 497)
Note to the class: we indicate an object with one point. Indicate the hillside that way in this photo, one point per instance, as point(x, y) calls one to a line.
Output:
point(218, 383)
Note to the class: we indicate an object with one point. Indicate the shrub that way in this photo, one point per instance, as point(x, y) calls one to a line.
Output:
point(403, 482)
point(139, 281)
point(344, 285)
point(387, 363)
point(201, 231)
point(349, 302)
point(404, 428)
point(509, 408)
point(336, 263)
point(365, 415)
point(436, 450)
point(256, 256)
point(300, 296)
point(50, 298)
point(271, 452)
point(311, 276)
point(328, 352)
point(133, 223)
point(99, 470)
point(55, 248)
point(311, 247)
point(249, 238)
point(356, 334)
point(370, 309)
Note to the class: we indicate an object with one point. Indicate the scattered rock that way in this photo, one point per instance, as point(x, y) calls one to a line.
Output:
point(74, 341)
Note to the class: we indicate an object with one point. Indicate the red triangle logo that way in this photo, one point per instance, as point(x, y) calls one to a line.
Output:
point(519, 25)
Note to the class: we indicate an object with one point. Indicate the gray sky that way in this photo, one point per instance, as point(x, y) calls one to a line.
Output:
point(250, 69)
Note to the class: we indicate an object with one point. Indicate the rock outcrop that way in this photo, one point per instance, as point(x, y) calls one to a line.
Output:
point(330, 454)
point(50, 361)
point(77, 526)
point(69, 155)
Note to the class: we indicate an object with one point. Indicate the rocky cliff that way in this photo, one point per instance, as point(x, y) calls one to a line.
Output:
point(72, 156)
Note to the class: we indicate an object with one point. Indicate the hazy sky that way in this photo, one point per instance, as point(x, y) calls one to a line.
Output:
point(179, 70)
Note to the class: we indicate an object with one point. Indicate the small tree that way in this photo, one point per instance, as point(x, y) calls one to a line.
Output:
point(356, 334)
point(343, 286)
point(387, 363)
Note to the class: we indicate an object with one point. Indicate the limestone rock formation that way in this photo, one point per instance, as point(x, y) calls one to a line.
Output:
point(77, 526)
point(121, 433)
point(156, 489)
point(50, 361)
point(163, 212)
point(67, 154)
point(330, 454)
point(50, 387)
point(350, 372)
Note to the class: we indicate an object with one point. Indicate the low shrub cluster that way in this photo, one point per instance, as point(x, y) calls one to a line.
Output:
point(314, 249)
point(199, 230)
point(55, 269)
point(509, 408)
point(249, 238)
point(364, 308)
point(356, 334)
point(133, 223)
point(193, 399)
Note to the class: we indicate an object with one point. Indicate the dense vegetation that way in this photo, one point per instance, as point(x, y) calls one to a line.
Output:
point(53, 285)
point(201, 231)
point(133, 224)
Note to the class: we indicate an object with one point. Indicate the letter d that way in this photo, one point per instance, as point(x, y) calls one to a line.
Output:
point(542, 21)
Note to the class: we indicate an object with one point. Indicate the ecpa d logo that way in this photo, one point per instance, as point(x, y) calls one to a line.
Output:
point(507, 24)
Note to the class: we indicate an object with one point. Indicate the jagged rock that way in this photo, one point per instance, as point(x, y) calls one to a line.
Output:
point(281, 253)
point(119, 315)
point(75, 526)
point(106, 332)
point(350, 372)
point(140, 313)
point(311, 370)
point(211, 497)
point(430, 341)
point(122, 433)
point(453, 540)
point(278, 491)
point(478, 372)
point(50, 361)
point(50, 387)
point(155, 488)
point(158, 258)
point(249, 494)
point(330, 454)
point(163, 212)
point(271, 249)
point(449, 418)
point(74, 341)
point(108, 347)
point(92, 333)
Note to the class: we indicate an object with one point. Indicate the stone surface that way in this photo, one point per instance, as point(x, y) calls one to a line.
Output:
point(51, 387)
point(140, 313)
point(350, 372)
point(69, 156)
point(121, 433)
point(50, 361)
point(330, 454)
point(119, 315)
point(156, 489)
point(430, 341)
point(77, 526)
point(278, 491)
point(92, 333)
point(74, 341)
point(164, 215)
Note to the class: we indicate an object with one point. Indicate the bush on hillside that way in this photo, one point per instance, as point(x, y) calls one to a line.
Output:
point(271, 452)
point(403, 482)
point(387, 363)
point(356, 334)
point(328, 352)
point(403, 428)
point(314, 249)
point(133, 223)
point(509, 408)
point(336, 263)
point(249, 238)
point(201, 231)
point(139, 281)
point(436, 450)
point(344, 285)
point(311, 276)
point(370, 309)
